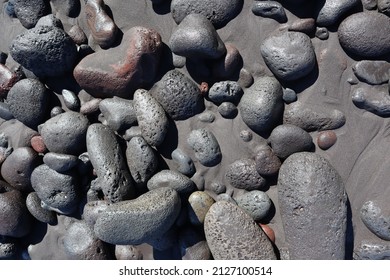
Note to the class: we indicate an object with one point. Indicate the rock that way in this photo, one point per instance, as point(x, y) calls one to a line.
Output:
point(334, 10)
point(256, 203)
point(60, 162)
point(205, 146)
point(8, 248)
point(304, 25)
point(18, 166)
point(58, 192)
point(242, 174)
point(287, 139)
point(313, 118)
point(166, 241)
point(106, 156)
point(289, 55)
point(58, 136)
point(184, 163)
point(369, 4)
point(171, 179)
point(378, 223)
point(195, 37)
point(80, 243)
point(70, 8)
point(193, 246)
point(45, 50)
point(15, 219)
point(267, 162)
point(178, 95)
point(10, 8)
point(78, 36)
point(207, 117)
point(359, 32)
point(141, 160)
point(384, 7)
point(50, 20)
point(151, 118)
point(56, 111)
point(133, 131)
point(269, 232)
point(29, 11)
point(226, 197)
point(216, 188)
point(219, 13)
point(372, 72)
point(71, 100)
point(119, 113)
point(227, 110)
point(226, 91)
point(8, 79)
point(38, 144)
point(322, 33)
point(119, 71)
point(18, 134)
point(246, 135)
point(127, 252)
point(261, 105)
point(375, 100)
point(233, 235)
point(226, 67)
point(92, 210)
point(199, 203)
point(120, 223)
point(309, 187)
point(5, 113)
point(269, 9)
point(369, 250)
point(289, 95)
point(27, 102)
point(90, 107)
point(245, 78)
point(102, 27)
point(326, 139)
point(33, 204)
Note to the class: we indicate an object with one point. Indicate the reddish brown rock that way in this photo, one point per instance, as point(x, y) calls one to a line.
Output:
point(121, 70)
point(38, 144)
point(77, 34)
point(326, 139)
point(268, 231)
point(7, 79)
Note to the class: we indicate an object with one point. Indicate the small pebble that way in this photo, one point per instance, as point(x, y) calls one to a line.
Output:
point(289, 95)
point(205, 146)
point(322, 33)
point(384, 7)
point(38, 144)
point(206, 117)
point(242, 174)
point(326, 139)
point(256, 203)
point(246, 135)
point(269, 9)
point(127, 252)
point(56, 111)
point(184, 163)
point(228, 110)
point(199, 203)
point(226, 91)
point(267, 162)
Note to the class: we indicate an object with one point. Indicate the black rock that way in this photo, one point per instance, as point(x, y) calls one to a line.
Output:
point(71, 100)
point(119, 113)
point(226, 91)
point(33, 203)
point(60, 162)
point(30, 11)
point(334, 10)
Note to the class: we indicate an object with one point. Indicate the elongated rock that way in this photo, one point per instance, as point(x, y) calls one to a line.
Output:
point(137, 221)
point(372, 72)
point(171, 179)
point(309, 187)
point(233, 235)
point(376, 221)
point(205, 146)
point(105, 154)
point(334, 10)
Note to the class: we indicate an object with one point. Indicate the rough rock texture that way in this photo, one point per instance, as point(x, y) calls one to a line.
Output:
point(242, 174)
point(205, 147)
point(376, 221)
point(256, 203)
point(225, 91)
point(267, 162)
point(29, 11)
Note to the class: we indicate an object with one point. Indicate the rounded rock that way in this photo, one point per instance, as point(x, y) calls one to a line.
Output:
point(119, 113)
point(50, 20)
point(326, 139)
point(256, 203)
point(372, 72)
point(92, 210)
point(378, 223)
point(228, 110)
point(205, 146)
point(233, 235)
point(226, 91)
point(77, 34)
point(269, 9)
point(184, 163)
point(199, 203)
point(171, 179)
point(193, 246)
point(267, 162)
point(269, 232)
point(8, 248)
point(246, 135)
point(333, 10)
point(33, 204)
point(71, 100)
point(38, 144)
point(60, 162)
point(289, 95)
point(30, 11)
point(242, 174)
point(216, 187)
point(127, 252)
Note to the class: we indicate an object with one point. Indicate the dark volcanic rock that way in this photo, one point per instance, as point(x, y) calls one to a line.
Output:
point(44, 50)
point(70, 8)
point(119, 113)
point(106, 156)
point(172, 179)
point(309, 187)
point(121, 70)
point(128, 252)
point(178, 95)
point(50, 20)
point(71, 100)
point(230, 64)
point(27, 101)
point(29, 11)
point(120, 222)
point(65, 133)
point(60, 162)
point(33, 203)
point(205, 146)
point(225, 91)
point(267, 162)
point(334, 10)
point(218, 12)
point(8, 248)
point(269, 9)
point(233, 235)
point(242, 174)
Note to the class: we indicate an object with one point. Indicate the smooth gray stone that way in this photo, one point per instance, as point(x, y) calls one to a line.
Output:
point(372, 72)
point(334, 10)
point(120, 223)
point(369, 250)
point(205, 146)
point(261, 106)
point(106, 156)
point(233, 235)
point(256, 203)
point(359, 32)
point(322, 33)
point(119, 113)
point(218, 12)
point(65, 133)
point(225, 91)
point(58, 192)
point(172, 179)
point(199, 203)
point(5, 113)
point(228, 110)
point(195, 37)
point(141, 160)
point(242, 174)
point(151, 118)
point(184, 163)
point(60, 162)
point(30, 11)
point(71, 100)
point(372, 216)
point(313, 207)
point(289, 55)
point(269, 9)
point(207, 117)
point(289, 95)
point(287, 139)
point(33, 203)
point(376, 101)
point(178, 95)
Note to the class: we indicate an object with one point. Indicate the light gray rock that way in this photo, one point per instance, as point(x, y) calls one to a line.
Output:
point(128, 252)
point(242, 174)
point(233, 235)
point(228, 110)
point(133, 222)
point(199, 203)
point(92, 210)
point(60, 162)
point(118, 113)
point(334, 10)
point(376, 101)
point(289, 95)
point(256, 203)
point(369, 4)
point(184, 163)
point(372, 72)
point(205, 146)
point(171, 179)
point(369, 250)
point(313, 207)
point(261, 106)
point(71, 100)
point(50, 20)
point(376, 221)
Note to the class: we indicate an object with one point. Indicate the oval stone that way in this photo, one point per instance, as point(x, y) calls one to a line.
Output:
point(205, 146)
point(256, 203)
point(171, 179)
point(242, 174)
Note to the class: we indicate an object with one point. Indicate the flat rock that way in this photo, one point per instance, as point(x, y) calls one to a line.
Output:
point(261, 106)
point(178, 95)
point(269, 9)
point(225, 91)
point(119, 113)
point(267, 162)
point(372, 72)
point(242, 174)
point(256, 203)
point(359, 32)
point(119, 71)
point(218, 12)
point(205, 146)
point(172, 179)
point(46, 51)
point(195, 37)
point(65, 133)
point(30, 11)
point(334, 10)
point(33, 203)
point(309, 187)
point(151, 118)
point(233, 235)
point(60, 162)
point(199, 203)
point(376, 221)
point(106, 156)
point(289, 55)
point(137, 221)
